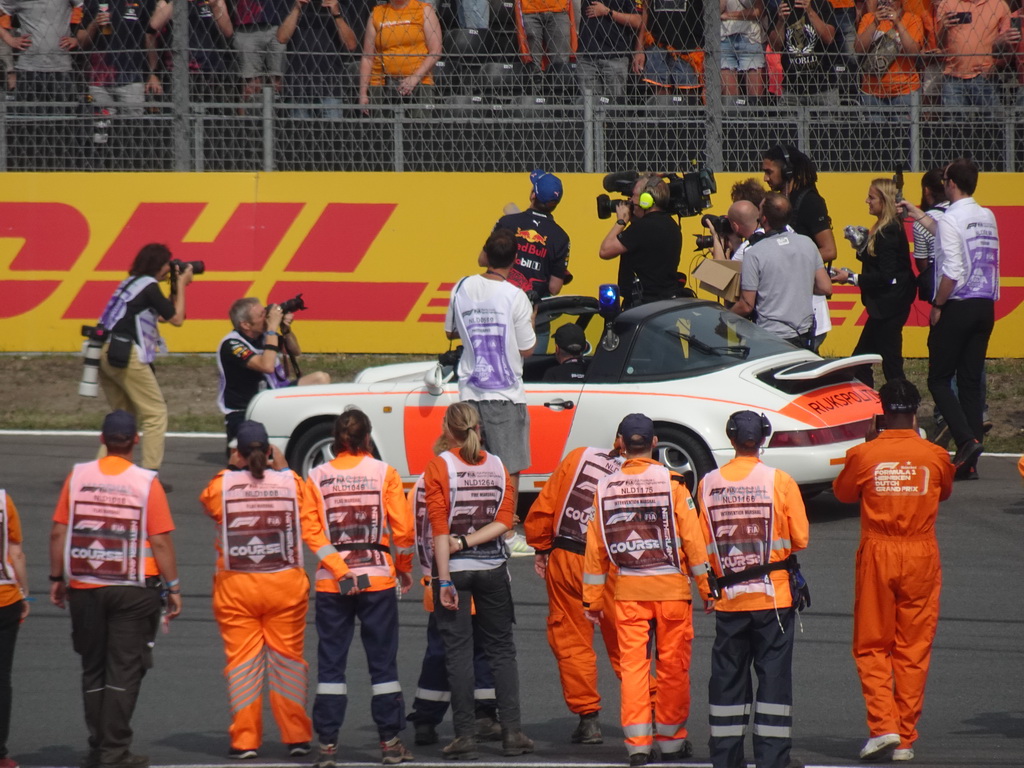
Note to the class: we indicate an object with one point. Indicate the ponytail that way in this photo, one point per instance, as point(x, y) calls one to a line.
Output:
point(257, 461)
point(462, 426)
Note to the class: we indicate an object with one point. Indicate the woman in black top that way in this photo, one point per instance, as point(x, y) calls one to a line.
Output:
point(886, 283)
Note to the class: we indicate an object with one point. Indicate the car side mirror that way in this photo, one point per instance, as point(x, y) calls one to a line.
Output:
point(434, 379)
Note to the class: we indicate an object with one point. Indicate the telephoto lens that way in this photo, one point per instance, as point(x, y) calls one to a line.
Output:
point(92, 350)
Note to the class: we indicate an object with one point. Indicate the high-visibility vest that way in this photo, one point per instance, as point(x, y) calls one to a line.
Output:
point(741, 516)
point(638, 522)
point(106, 542)
point(354, 516)
point(476, 492)
point(424, 535)
point(260, 530)
point(6, 569)
point(595, 464)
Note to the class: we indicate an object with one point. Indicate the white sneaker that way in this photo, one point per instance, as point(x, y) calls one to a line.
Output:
point(903, 755)
point(880, 747)
point(518, 547)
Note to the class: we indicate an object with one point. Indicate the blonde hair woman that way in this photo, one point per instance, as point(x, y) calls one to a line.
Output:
point(470, 564)
point(886, 282)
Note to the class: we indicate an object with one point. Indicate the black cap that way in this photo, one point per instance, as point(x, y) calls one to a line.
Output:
point(119, 425)
point(636, 430)
point(252, 433)
point(571, 338)
point(748, 427)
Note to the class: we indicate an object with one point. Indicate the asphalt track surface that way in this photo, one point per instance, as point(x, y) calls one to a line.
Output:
point(974, 709)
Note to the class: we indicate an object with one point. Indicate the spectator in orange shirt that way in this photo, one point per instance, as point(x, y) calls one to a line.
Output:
point(969, 31)
point(1013, 46)
point(888, 80)
point(899, 479)
point(546, 30)
point(400, 47)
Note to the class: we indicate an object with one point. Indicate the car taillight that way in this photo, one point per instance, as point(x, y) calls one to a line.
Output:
point(805, 438)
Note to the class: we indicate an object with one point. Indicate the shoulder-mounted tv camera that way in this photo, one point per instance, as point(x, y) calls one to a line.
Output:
point(688, 193)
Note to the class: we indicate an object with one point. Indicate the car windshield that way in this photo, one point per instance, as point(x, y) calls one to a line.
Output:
point(696, 339)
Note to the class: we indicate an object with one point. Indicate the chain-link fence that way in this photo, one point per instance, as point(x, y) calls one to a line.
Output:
point(472, 85)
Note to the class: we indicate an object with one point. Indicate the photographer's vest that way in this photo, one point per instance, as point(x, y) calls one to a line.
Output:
point(638, 522)
point(106, 542)
point(260, 530)
point(6, 569)
point(274, 380)
point(571, 526)
point(741, 516)
point(147, 333)
point(476, 492)
point(424, 536)
point(354, 517)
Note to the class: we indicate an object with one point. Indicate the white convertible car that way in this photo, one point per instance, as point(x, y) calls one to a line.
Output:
point(685, 363)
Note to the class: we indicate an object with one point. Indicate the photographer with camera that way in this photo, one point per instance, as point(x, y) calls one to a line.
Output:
point(648, 243)
point(731, 234)
point(260, 353)
point(131, 340)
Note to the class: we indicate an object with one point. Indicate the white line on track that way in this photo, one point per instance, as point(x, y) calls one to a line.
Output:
point(220, 435)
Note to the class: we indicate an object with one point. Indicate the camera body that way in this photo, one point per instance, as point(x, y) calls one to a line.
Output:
point(178, 266)
point(688, 193)
point(857, 235)
point(292, 305)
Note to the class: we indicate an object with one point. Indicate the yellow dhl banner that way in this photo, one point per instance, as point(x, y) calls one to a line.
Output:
point(374, 255)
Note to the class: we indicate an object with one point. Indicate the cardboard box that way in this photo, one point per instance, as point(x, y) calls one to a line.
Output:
point(722, 278)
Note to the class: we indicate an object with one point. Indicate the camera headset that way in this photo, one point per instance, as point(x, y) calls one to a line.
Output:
point(787, 163)
point(732, 429)
point(646, 200)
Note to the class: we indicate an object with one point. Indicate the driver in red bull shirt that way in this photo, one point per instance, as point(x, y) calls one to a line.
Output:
point(542, 247)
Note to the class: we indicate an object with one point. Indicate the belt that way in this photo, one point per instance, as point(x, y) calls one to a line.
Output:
point(756, 572)
point(570, 545)
point(350, 546)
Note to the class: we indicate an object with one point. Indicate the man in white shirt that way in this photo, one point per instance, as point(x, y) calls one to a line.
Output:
point(494, 319)
point(963, 312)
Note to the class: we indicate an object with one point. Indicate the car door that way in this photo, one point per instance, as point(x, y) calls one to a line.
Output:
point(552, 409)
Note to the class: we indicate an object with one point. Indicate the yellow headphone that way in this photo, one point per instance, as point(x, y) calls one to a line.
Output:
point(646, 198)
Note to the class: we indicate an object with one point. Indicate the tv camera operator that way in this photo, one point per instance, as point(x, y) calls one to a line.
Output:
point(260, 353)
point(648, 243)
point(124, 343)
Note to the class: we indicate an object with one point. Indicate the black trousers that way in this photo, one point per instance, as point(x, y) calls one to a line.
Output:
point(491, 592)
point(10, 620)
point(956, 347)
point(882, 336)
point(764, 640)
point(113, 630)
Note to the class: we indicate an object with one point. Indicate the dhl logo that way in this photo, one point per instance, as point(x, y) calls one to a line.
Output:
point(531, 236)
point(55, 235)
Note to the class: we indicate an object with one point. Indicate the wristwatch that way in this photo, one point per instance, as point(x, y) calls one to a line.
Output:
point(621, 223)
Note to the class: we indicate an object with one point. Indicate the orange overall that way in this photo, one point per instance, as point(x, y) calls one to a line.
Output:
point(653, 559)
point(899, 479)
point(556, 526)
point(262, 621)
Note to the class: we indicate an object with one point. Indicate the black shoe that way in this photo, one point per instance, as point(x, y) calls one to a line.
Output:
point(967, 454)
point(299, 749)
point(426, 733)
point(588, 731)
point(639, 758)
point(966, 473)
point(685, 751)
point(515, 743)
point(242, 754)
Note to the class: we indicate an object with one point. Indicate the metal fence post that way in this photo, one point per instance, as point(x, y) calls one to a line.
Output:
point(199, 138)
point(715, 136)
point(4, 127)
point(399, 138)
point(179, 89)
point(588, 132)
point(268, 128)
point(915, 130)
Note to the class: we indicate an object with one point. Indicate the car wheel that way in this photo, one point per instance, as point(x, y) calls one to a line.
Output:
point(683, 453)
point(313, 448)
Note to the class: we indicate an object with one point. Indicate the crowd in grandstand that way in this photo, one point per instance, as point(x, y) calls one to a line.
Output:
point(318, 54)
